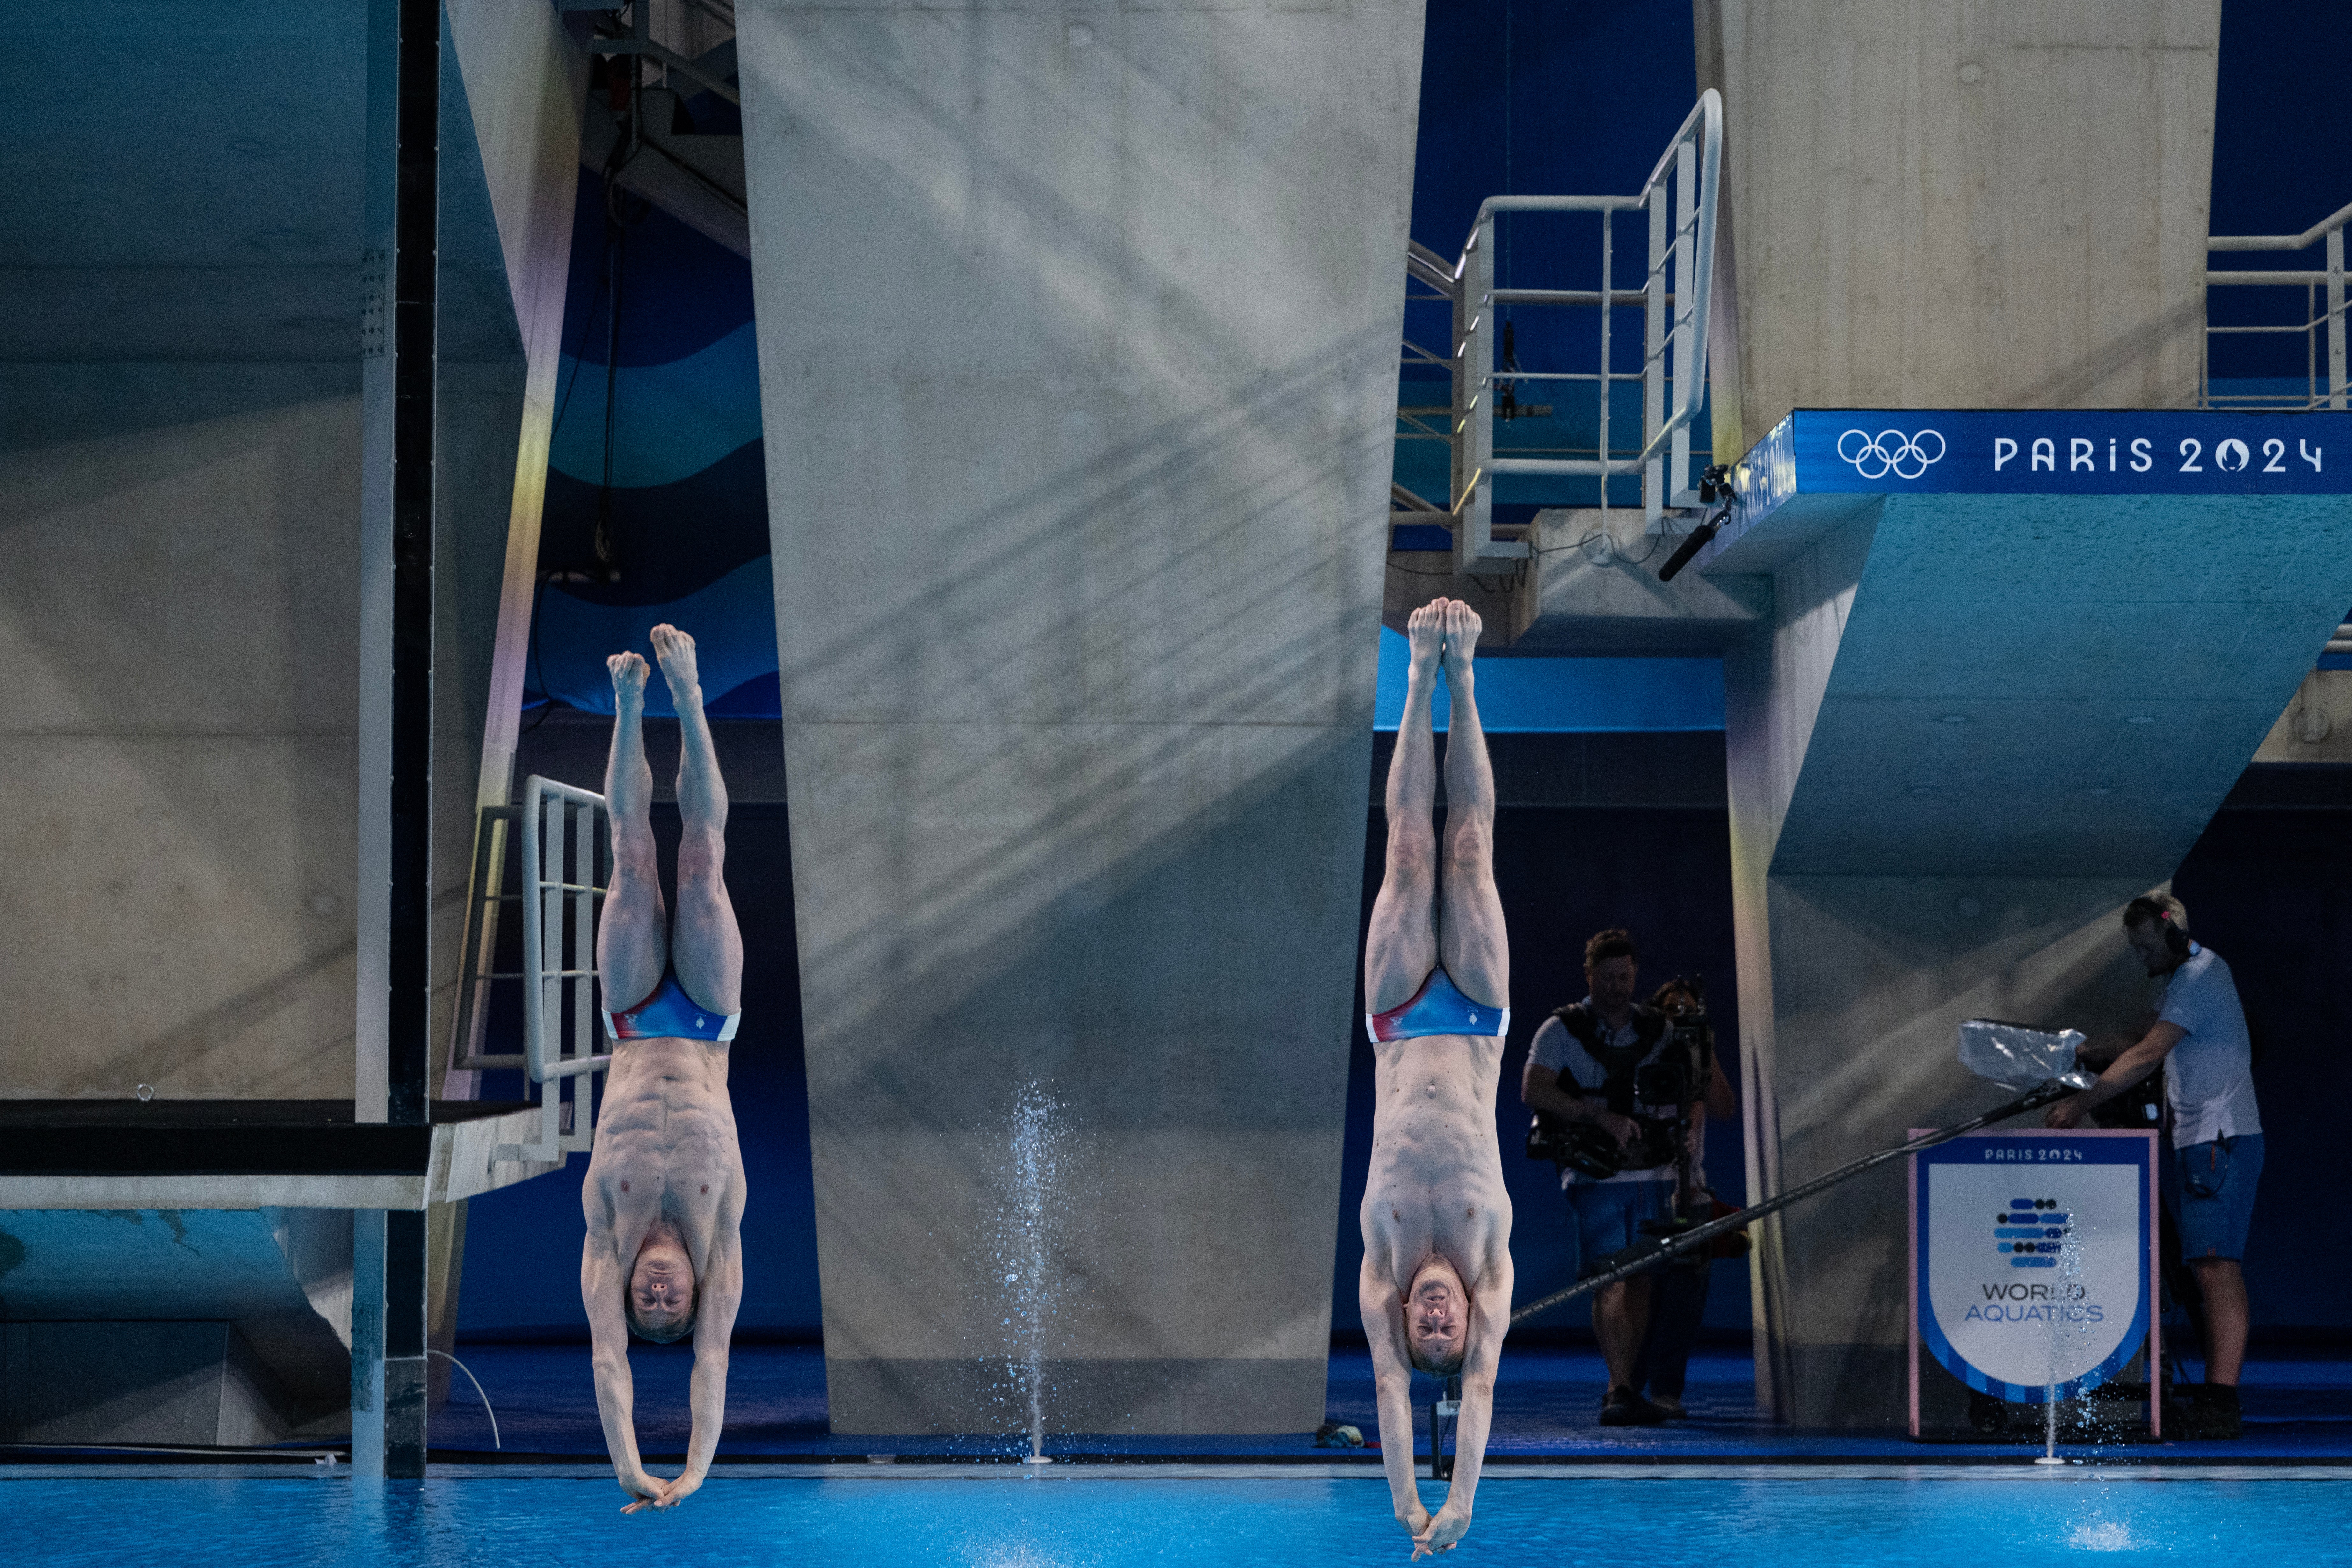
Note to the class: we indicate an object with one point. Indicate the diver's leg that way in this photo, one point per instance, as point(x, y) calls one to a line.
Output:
point(1470, 936)
point(705, 945)
point(633, 934)
point(1401, 948)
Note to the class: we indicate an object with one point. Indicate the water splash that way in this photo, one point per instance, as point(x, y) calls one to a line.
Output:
point(1030, 1210)
point(2067, 1281)
point(2103, 1535)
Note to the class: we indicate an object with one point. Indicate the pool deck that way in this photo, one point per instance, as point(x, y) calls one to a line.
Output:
point(2298, 1414)
point(2298, 1410)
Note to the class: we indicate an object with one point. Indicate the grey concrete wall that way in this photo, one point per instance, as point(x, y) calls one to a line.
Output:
point(161, 1383)
point(181, 547)
point(164, 1318)
point(1862, 981)
point(1962, 204)
point(177, 553)
point(1078, 339)
point(178, 545)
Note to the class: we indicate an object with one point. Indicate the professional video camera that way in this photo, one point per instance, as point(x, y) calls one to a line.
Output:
point(1674, 1076)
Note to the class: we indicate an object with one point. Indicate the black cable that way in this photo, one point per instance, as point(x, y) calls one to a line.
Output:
point(587, 325)
point(617, 223)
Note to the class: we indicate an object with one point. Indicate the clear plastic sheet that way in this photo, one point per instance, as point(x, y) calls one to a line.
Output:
point(2016, 1057)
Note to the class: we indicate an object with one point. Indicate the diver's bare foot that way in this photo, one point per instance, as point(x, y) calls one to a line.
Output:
point(1425, 632)
point(675, 651)
point(1462, 628)
point(629, 674)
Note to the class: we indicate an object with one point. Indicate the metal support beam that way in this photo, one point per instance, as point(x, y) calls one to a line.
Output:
point(404, 1278)
point(416, 235)
point(367, 1344)
point(395, 840)
point(2335, 318)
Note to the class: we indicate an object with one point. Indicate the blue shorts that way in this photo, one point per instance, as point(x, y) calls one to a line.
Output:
point(1608, 1216)
point(2214, 1195)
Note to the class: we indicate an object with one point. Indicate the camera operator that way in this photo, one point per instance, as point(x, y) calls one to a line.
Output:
point(1678, 1299)
point(2201, 1037)
point(2137, 1109)
point(1616, 1148)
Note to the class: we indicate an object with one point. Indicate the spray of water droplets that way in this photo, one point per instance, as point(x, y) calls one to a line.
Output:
point(1029, 1209)
point(2070, 1331)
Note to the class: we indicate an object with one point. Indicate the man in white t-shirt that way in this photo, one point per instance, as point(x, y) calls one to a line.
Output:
point(1581, 1068)
point(2216, 1135)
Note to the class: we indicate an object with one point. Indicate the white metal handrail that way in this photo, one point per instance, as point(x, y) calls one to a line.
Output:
point(2329, 231)
point(565, 829)
point(565, 832)
point(1681, 199)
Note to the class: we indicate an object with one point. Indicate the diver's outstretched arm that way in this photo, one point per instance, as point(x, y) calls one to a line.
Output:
point(603, 1285)
point(1490, 1320)
point(1383, 1312)
point(719, 1297)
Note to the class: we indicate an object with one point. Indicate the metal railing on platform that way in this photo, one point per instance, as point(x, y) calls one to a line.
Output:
point(565, 837)
point(2322, 315)
point(1680, 200)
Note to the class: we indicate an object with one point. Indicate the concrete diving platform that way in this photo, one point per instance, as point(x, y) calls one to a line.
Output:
point(180, 1272)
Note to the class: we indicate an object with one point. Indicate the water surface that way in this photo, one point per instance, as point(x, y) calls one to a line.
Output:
point(1794, 1516)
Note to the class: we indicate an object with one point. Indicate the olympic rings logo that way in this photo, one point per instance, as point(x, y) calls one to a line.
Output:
point(1890, 452)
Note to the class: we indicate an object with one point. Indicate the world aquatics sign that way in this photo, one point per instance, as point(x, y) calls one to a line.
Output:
point(2032, 1261)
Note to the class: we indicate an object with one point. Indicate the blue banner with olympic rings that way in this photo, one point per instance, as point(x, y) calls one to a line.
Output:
point(2098, 452)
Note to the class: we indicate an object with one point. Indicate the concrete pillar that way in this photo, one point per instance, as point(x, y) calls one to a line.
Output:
point(1078, 339)
point(522, 81)
point(1959, 206)
point(1963, 203)
point(1952, 757)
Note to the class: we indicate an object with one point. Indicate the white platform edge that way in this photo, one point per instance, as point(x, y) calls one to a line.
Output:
point(460, 1166)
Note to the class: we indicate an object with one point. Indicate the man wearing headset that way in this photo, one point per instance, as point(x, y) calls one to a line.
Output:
point(2201, 1038)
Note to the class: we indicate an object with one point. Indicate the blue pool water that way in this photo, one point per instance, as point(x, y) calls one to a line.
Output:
point(1761, 1516)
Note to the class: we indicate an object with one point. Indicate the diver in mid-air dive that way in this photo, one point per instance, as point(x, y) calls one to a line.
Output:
point(664, 1197)
point(1436, 1290)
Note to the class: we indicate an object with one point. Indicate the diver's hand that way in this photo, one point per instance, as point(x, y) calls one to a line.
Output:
point(676, 1491)
point(2067, 1112)
point(1449, 1527)
point(1415, 1519)
point(644, 1490)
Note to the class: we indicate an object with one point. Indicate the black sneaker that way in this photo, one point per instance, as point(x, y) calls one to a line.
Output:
point(1623, 1407)
point(2213, 1415)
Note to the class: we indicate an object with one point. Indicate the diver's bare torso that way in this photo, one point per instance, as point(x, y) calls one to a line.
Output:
point(1434, 1186)
point(666, 1150)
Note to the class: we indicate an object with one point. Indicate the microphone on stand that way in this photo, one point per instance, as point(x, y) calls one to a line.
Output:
point(1714, 485)
point(1697, 541)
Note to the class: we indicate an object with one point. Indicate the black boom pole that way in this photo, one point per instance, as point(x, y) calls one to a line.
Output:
point(1651, 1254)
